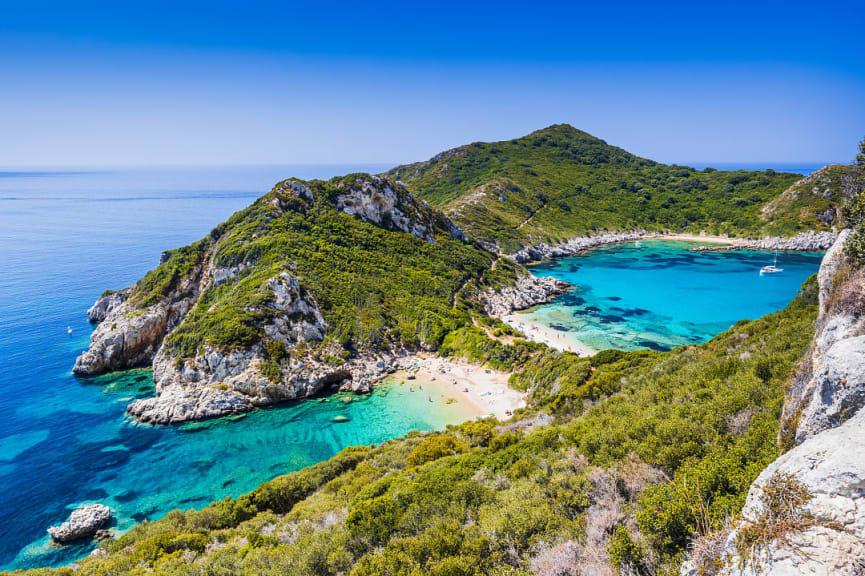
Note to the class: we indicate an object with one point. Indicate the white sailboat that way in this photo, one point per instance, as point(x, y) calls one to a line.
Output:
point(771, 268)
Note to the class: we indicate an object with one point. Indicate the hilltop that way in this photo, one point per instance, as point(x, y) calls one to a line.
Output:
point(560, 183)
point(316, 284)
point(622, 463)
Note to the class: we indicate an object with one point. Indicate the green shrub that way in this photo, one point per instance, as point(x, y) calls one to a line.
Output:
point(433, 448)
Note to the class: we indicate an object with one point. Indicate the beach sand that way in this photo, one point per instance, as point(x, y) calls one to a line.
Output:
point(483, 390)
point(538, 332)
point(553, 338)
point(707, 239)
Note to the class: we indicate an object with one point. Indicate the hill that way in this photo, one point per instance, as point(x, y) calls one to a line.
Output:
point(616, 463)
point(559, 183)
point(315, 284)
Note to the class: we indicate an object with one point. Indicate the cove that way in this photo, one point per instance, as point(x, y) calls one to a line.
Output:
point(659, 295)
point(67, 236)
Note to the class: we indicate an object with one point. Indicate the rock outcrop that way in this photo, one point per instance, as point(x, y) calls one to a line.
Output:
point(106, 305)
point(181, 399)
point(129, 336)
point(802, 242)
point(831, 386)
point(375, 200)
point(824, 428)
point(219, 382)
point(84, 522)
point(574, 246)
point(528, 291)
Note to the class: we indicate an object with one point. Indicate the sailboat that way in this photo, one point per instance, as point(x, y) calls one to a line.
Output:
point(771, 268)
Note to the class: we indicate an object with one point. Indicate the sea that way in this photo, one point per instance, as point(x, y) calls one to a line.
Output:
point(659, 294)
point(66, 235)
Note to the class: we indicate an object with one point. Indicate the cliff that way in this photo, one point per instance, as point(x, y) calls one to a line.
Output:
point(805, 513)
point(317, 284)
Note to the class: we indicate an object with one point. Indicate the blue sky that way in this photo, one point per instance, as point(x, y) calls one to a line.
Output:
point(95, 83)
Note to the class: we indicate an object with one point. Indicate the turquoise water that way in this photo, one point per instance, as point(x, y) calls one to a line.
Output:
point(660, 295)
point(66, 237)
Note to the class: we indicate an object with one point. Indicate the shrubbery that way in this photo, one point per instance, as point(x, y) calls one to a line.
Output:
point(662, 445)
point(560, 182)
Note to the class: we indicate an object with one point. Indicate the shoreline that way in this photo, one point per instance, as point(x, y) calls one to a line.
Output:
point(550, 337)
point(484, 390)
point(696, 238)
point(809, 241)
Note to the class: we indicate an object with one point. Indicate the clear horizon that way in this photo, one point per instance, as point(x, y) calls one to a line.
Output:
point(102, 84)
point(83, 168)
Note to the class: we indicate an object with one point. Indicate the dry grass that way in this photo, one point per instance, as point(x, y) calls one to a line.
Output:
point(707, 551)
point(781, 515)
point(851, 295)
point(565, 559)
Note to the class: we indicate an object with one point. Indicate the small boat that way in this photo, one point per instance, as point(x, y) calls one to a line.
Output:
point(69, 329)
point(771, 268)
point(638, 244)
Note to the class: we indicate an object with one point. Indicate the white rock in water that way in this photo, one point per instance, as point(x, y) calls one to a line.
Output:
point(82, 523)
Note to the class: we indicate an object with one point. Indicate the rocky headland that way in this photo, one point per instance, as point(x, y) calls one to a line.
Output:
point(286, 349)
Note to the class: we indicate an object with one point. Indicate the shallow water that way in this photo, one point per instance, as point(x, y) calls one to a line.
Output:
point(660, 295)
point(66, 237)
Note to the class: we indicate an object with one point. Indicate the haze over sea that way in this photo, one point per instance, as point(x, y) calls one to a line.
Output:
point(65, 237)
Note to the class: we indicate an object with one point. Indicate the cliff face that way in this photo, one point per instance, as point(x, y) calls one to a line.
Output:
point(822, 531)
point(317, 284)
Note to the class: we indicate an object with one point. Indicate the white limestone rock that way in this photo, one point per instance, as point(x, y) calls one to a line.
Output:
point(376, 200)
point(106, 305)
point(84, 522)
point(832, 466)
point(573, 246)
point(528, 291)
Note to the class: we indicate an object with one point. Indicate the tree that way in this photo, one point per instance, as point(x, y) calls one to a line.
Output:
point(855, 212)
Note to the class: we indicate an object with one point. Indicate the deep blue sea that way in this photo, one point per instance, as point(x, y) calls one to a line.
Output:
point(66, 236)
point(660, 295)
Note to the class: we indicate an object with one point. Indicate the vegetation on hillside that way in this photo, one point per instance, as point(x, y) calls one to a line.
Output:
point(376, 287)
point(618, 462)
point(560, 182)
point(855, 212)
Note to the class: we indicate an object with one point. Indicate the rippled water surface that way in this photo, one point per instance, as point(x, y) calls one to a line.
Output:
point(65, 238)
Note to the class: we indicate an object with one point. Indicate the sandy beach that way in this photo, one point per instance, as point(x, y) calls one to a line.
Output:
point(553, 338)
point(697, 238)
point(484, 390)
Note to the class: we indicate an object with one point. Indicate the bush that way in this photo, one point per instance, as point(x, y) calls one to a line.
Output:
point(433, 448)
